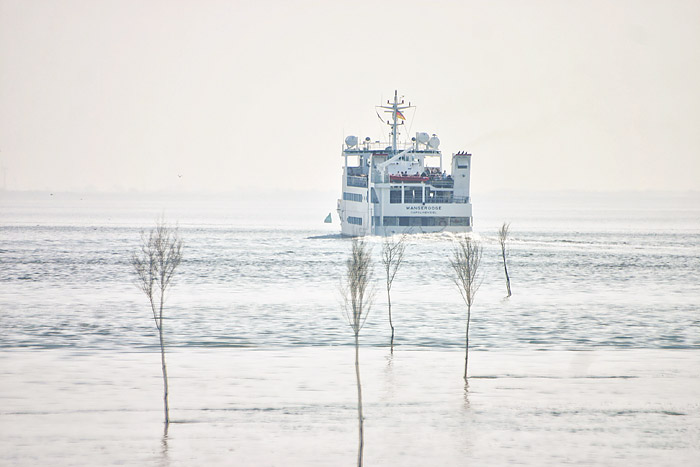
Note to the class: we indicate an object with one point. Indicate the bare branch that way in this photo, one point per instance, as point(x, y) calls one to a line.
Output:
point(392, 256)
point(159, 255)
point(358, 295)
point(465, 262)
point(503, 239)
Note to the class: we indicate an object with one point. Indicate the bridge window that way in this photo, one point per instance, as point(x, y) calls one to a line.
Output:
point(461, 221)
point(413, 195)
point(352, 197)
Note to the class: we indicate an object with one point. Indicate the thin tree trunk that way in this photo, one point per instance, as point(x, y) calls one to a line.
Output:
point(505, 267)
point(388, 294)
point(165, 378)
point(466, 357)
point(359, 402)
point(162, 360)
point(154, 264)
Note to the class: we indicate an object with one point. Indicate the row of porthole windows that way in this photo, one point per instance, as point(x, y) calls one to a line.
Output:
point(426, 221)
point(352, 197)
point(417, 221)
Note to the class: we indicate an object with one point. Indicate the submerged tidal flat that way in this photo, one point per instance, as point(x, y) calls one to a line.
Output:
point(594, 360)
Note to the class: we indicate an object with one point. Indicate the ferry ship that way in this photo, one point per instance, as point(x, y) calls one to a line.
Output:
point(402, 187)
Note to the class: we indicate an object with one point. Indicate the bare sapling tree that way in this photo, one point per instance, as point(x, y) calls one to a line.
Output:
point(503, 239)
point(465, 262)
point(357, 302)
point(392, 256)
point(155, 264)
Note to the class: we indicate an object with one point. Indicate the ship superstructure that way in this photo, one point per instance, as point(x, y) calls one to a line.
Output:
point(402, 187)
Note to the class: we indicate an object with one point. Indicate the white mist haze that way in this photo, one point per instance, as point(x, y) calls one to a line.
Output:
point(257, 96)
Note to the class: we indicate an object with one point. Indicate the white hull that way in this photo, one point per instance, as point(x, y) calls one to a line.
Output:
point(393, 188)
point(389, 231)
point(403, 218)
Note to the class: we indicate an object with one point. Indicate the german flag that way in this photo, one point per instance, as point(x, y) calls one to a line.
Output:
point(399, 115)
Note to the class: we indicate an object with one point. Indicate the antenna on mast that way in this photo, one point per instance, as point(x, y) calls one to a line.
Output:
point(395, 108)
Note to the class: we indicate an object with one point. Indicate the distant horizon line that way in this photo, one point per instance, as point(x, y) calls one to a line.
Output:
point(315, 191)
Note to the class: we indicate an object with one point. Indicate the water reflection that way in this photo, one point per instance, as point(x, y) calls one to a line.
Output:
point(389, 377)
point(466, 395)
point(164, 457)
point(390, 362)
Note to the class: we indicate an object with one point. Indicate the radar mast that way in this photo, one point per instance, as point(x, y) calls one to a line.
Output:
point(396, 115)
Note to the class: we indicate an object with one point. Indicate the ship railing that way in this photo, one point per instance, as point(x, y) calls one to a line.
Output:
point(357, 181)
point(441, 183)
point(434, 182)
point(375, 146)
point(439, 200)
point(356, 171)
point(447, 200)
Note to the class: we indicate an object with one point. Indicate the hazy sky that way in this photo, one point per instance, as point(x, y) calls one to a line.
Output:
point(140, 95)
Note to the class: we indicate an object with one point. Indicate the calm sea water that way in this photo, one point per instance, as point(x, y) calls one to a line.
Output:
point(590, 275)
point(259, 350)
